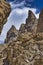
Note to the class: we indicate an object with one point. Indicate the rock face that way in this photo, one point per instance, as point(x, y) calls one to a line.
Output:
point(5, 10)
point(40, 22)
point(31, 17)
point(28, 50)
point(30, 23)
point(11, 34)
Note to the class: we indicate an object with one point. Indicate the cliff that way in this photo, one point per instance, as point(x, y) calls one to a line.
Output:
point(5, 10)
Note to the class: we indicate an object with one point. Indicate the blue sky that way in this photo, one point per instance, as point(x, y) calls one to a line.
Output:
point(19, 14)
point(34, 3)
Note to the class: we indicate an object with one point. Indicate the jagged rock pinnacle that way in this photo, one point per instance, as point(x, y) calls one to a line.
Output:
point(31, 17)
point(11, 34)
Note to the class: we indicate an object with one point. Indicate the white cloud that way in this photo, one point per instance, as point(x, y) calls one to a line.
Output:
point(21, 4)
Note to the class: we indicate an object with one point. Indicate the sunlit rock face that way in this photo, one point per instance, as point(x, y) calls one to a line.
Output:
point(5, 10)
point(40, 22)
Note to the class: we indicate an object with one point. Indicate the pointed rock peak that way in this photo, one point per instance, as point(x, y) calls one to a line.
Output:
point(31, 14)
point(31, 17)
point(11, 34)
point(12, 28)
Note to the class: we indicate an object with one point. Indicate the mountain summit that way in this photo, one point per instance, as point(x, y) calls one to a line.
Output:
point(31, 17)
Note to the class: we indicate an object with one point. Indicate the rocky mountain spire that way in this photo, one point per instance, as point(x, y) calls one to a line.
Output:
point(30, 21)
point(31, 17)
point(11, 34)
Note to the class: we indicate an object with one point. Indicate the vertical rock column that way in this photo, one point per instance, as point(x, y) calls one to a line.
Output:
point(30, 21)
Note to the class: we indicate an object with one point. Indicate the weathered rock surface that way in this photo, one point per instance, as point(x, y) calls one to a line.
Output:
point(11, 34)
point(5, 10)
point(24, 51)
point(40, 22)
point(31, 23)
